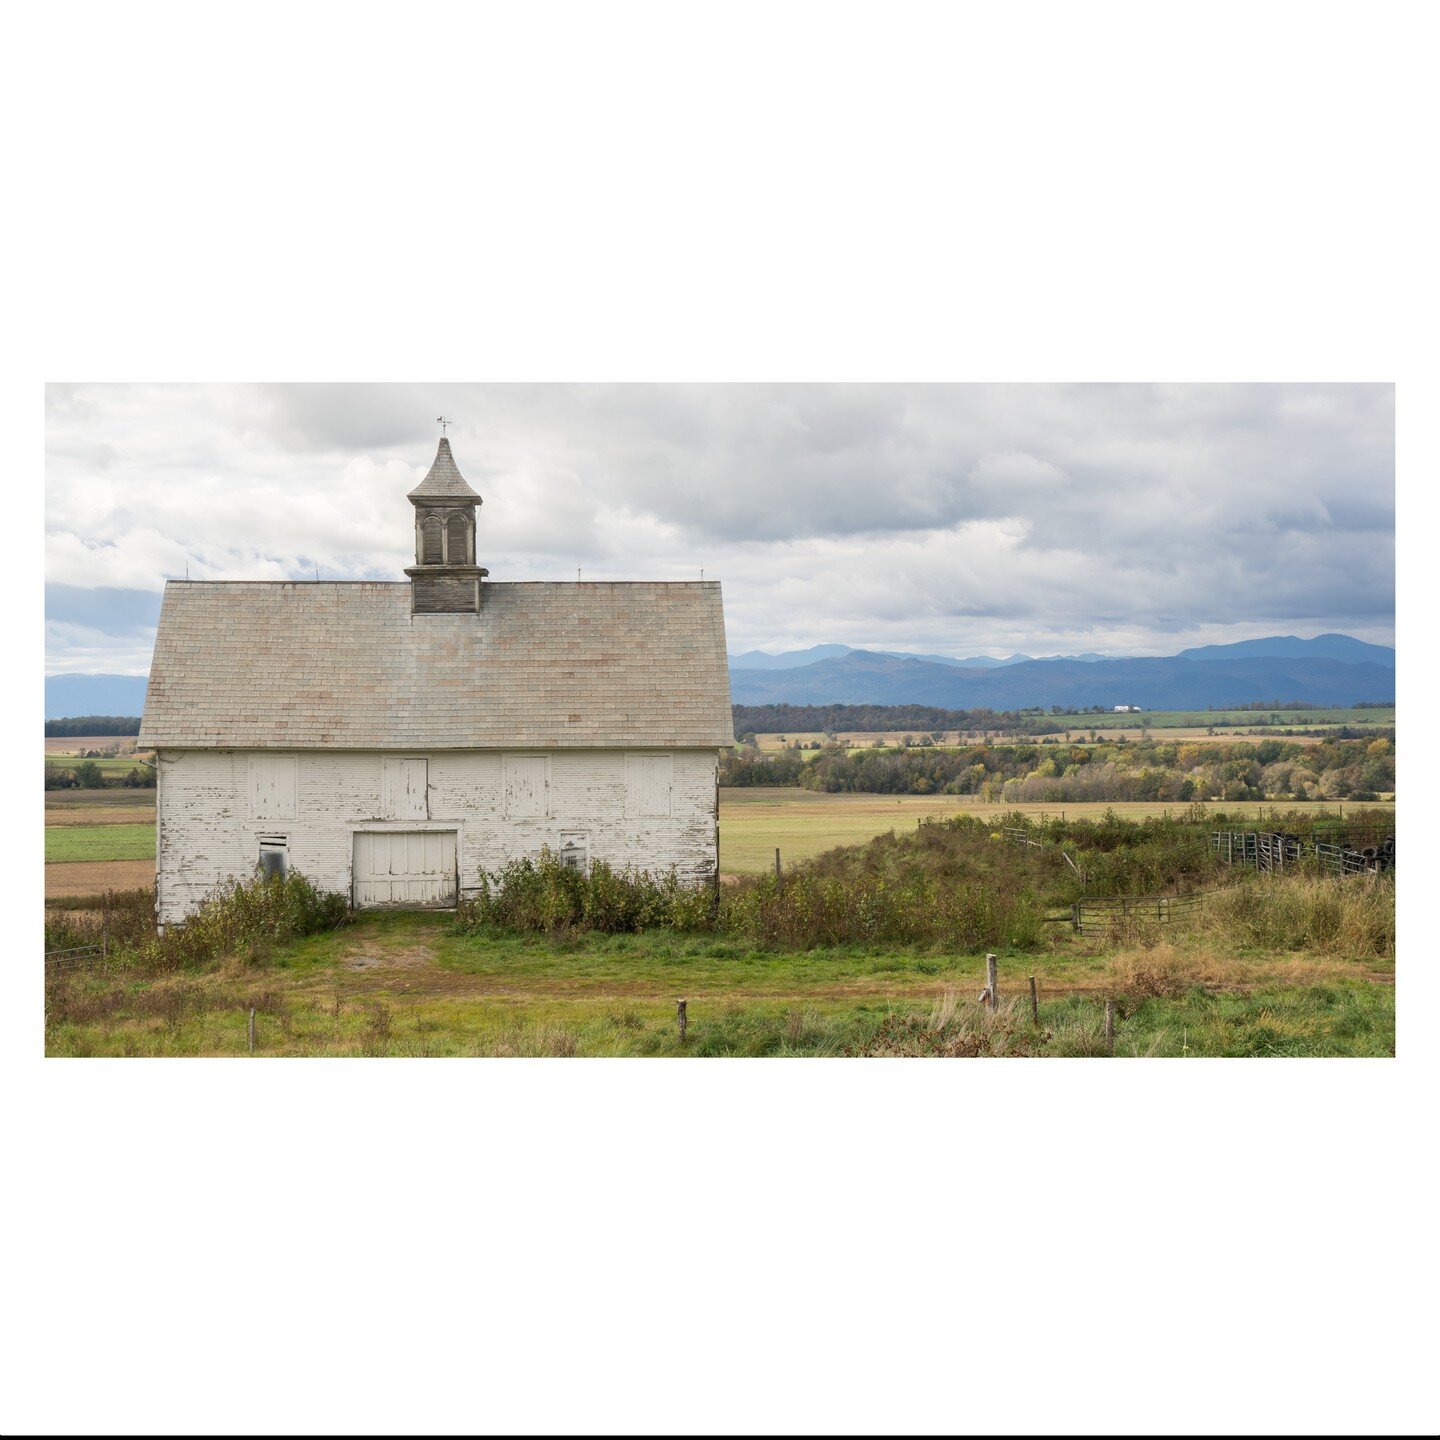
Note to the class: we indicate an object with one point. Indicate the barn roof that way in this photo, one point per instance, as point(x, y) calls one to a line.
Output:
point(346, 665)
point(444, 480)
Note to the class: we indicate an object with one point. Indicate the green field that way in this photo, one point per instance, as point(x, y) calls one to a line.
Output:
point(410, 984)
point(68, 843)
point(1242, 719)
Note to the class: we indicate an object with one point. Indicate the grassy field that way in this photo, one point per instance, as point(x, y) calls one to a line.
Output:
point(89, 843)
point(119, 798)
point(107, 764)
point(804, 823)
point(1243, 719)
point(411, 984)
point(1188, 725)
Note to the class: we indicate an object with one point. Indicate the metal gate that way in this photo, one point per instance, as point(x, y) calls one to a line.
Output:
point(414, 869)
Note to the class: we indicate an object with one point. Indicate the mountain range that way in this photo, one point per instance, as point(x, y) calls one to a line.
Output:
point(1325, 670)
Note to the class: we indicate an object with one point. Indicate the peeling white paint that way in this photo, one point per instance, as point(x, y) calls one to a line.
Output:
point(208, 826)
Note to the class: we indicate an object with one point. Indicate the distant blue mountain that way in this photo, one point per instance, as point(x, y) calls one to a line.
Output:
point(1291, 647)
point(67, 695)
point(792, 659)
point(1165, 682)
point(786, 659)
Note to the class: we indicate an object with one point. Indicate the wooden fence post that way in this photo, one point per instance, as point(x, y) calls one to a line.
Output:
point(992, 980)
point(680, 1020)
point(1034, 1003)
point(1109, 1027)
point(777, 867)
point(252, 1029)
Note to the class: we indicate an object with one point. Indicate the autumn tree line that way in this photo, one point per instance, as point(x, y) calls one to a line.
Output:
point(1057, 773)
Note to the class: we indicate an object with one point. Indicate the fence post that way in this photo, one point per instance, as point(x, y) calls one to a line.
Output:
point(252, 1029)
point(1109, 1027)
point(680, 1020)
point(992, 979)
point(1034, 1003)
point(1075, 918)
point(777, 867)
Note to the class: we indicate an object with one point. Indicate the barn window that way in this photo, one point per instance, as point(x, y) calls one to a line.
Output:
point(273, 786)
point(526, 790)
point(457, 540)
point(575, 851)
point(274, 857)
point(648, 780)
point(433, 532)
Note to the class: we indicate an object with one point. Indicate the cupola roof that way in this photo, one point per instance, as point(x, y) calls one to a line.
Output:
point(444, 482)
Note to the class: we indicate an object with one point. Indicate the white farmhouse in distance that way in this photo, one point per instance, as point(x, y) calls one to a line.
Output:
point(1126, 709)
point(391, 739)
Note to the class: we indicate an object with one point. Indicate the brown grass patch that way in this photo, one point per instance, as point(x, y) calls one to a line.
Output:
point(100, 815)
point(94, 877)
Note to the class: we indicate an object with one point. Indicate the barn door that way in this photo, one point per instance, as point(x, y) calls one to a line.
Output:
point(413, 869)
point(407, 789)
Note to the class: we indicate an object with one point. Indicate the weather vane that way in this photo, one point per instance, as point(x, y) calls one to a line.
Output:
point(442, 422)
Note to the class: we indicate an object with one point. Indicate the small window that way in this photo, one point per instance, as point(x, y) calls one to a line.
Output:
point(575, 852)
point(274, 857)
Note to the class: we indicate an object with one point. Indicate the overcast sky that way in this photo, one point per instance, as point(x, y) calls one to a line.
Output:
point(959, 519)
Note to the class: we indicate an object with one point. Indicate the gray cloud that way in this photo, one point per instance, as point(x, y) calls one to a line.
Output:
point(952, 518)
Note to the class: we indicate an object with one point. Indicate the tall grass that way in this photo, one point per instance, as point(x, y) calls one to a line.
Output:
point(954, 883)
point(1319, 914)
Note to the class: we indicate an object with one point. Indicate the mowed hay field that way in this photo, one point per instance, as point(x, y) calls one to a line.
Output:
point(755, 820)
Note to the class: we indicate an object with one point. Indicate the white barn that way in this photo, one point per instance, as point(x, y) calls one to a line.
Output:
point(390, 740)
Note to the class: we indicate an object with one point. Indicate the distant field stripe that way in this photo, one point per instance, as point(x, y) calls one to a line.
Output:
point(66, 843)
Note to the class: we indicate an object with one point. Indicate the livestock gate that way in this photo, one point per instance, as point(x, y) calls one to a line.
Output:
point(1270, 851)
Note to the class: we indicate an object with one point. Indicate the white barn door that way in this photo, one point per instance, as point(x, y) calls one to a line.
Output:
point(406, 788)
point(406, 868)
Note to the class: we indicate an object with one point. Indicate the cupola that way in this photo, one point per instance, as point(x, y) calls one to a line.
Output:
point(445, 580)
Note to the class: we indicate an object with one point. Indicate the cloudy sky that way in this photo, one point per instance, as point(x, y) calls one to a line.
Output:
point(960, 519)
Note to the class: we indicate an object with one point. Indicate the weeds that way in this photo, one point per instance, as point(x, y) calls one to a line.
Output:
point(545, 895)
point(1320, 915)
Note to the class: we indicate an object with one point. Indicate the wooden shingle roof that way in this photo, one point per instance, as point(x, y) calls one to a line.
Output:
point(443, 481)
point(298, 665)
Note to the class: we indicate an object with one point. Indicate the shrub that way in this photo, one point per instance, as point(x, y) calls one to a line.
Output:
point(89, 776)
point(242, 920)
point(548, 896)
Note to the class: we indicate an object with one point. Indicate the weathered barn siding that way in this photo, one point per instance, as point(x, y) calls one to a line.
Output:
point(646, 809)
